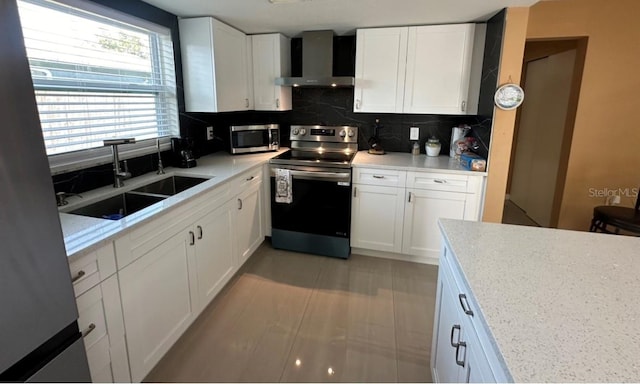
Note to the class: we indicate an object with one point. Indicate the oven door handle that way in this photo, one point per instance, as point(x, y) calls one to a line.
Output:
point(319, 175)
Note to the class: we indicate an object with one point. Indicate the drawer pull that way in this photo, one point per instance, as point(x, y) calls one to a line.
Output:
point(89, 329)
point(250, 178)
point(455, 344)
point(410, 195)
point(440, 181)
point(193, 238)
point(464, 355)
point(239, 204)
point(78, 276)
point(378, 176)
point(199, 232)
point(463, 300)
point(355, 191)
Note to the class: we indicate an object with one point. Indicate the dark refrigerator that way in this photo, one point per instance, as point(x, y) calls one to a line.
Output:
point(39, 336)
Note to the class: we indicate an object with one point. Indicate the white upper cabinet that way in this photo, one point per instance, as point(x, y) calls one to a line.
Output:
point(438, 69)
point(431, 69)
point(380, 69)
point(271, 59)
point(216, 66)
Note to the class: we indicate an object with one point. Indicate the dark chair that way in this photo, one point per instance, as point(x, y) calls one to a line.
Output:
point(618, 218)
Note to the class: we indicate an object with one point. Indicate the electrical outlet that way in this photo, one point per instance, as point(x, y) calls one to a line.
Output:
point(616, 200)
point(209, 133)
point(414, 133)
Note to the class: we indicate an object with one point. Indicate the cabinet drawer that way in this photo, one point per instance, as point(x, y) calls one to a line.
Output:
point(91, 316)
point(246, 180)
point(90, 269)
point(437, 181)
point(384, 177)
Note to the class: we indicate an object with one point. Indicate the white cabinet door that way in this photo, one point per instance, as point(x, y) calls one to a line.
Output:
point(249, 231)
point(447, 333)
point(156, 301)
point(214, 252)
point(215, 66)
point(421, 236)
point(271, 59)
point(380, 69)
point(230, 56)
point(438, 69)
point(376, 217)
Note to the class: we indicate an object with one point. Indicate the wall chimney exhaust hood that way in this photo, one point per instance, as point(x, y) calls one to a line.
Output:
point(317, 63)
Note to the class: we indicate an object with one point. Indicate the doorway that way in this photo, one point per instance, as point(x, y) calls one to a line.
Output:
point(552, 73)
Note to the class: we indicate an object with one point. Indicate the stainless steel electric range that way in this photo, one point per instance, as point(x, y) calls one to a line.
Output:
point(311, 191)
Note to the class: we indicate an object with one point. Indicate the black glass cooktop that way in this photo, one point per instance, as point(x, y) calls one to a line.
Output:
point(294, 156)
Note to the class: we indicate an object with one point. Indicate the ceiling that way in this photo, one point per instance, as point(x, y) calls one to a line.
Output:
point(291, 17)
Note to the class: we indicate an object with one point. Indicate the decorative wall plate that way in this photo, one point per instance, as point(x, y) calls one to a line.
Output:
point(509, 96)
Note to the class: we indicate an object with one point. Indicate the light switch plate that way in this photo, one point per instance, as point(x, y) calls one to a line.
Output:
point(209, 133)
point(414, 134)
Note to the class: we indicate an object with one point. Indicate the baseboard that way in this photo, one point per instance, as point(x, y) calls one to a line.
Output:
point(396, 256)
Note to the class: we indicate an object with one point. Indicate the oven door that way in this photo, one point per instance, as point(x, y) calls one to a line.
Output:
point(321, 202)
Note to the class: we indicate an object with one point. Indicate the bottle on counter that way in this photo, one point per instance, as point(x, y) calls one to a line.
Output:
point(432, 147)
point(416, 149)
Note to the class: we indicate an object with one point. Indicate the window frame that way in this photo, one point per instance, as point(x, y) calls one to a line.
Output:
point(86, 158)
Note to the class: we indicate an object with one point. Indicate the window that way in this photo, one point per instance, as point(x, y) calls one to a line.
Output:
point(98, 74)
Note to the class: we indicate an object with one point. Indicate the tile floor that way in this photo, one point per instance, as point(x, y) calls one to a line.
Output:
point(293, 317)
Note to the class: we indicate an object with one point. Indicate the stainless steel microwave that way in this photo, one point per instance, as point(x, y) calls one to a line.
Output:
point(254, 138)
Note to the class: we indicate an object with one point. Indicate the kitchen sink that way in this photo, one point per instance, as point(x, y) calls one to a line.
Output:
point(126, 203)
point(118, 206)
point(171, 185)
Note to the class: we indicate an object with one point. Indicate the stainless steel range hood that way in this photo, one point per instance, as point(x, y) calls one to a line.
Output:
point(317, 63)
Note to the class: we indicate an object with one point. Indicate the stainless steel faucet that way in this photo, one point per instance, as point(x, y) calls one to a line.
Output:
point(118, 174)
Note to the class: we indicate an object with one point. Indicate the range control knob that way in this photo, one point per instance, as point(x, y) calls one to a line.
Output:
point(303, 131)
point(295, 131)
point(351, 133)
point(343, 133)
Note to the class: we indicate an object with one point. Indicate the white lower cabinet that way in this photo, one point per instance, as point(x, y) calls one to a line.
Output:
point(249, 222)
point(214, 250)
point(377, 214)
point(157, 301)
point(172, 267)
point(397, 211)
point(100, 314)
point(421, 236)
point(460, 348)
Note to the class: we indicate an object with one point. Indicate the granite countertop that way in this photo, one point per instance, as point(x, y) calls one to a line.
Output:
point(407, 161)
point(82, 234)
point(561, 306)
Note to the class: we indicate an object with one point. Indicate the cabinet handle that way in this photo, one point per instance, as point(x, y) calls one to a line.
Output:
point(464, 356)
point(78, 276)
point(199, 232)
point(246, 103)
point(89, 329)
point(463, 300)
point(455, 326)
point(440, 181)
point(193, 238)
point(357, 103)
point(250, 178)
point(355, 191)
point(378, 176)
point(463, 106)
point(277, 103)
point(410, 195)
point(239, 204)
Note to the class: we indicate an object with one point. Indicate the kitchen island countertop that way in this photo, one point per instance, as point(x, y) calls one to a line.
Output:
point(83, 234)
point(559, 305)
point(408, 162)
